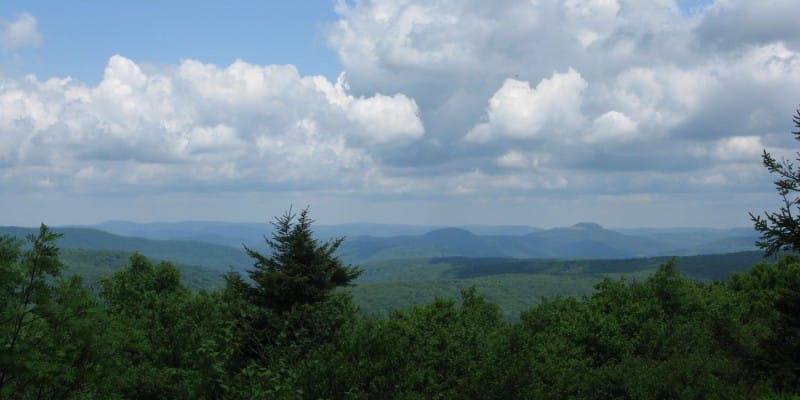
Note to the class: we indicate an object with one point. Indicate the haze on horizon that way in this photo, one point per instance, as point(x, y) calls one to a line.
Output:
point(542, 113)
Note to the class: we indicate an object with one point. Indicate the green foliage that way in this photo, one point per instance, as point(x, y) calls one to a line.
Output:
point(654, 339)
point(52, 343)
point(93, 265)
point(439, 351)
point(513, 293)
point(173, 343)
point(259, 382)
point(516, 285)
point(289, 306)
point(670, 328)
point(781, 230)
point(300, 270)
point(771, 294)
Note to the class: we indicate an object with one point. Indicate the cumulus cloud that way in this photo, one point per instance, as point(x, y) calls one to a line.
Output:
point(518, 111)
point(20, 32)
point(516, 159)
point(601, 85)
point(243, 125)
point(612, 126)
point(441, 97)
point(591, 20)
point(738, 148)
point(385, 118)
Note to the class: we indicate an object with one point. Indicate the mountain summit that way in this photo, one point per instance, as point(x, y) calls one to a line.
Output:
point(591, 226)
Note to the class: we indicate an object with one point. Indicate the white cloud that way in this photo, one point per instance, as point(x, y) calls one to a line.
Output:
point(383, 119)
point(239, 125)
point(387, 119)
point(615, 92)
point(477, 182)
point(21, 32)
point(591, 20)
point(518, 111)
point(739, 148)
point(662, 97)
point(211, 139)
point(441, 97)
point(240, 83)
point(641, 59)
point(427, 35)
point(612, 126)
point(516, 159)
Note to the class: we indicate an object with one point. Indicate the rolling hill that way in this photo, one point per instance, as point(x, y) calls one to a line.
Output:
point(206, 255)
point(93, 265)
point(517, 284)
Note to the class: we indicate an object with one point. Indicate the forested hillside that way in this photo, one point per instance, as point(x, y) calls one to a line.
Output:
point(513, 284)
point(217, 257)
point(93, 265)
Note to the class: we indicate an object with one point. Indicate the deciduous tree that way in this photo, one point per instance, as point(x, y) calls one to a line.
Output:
point(52, 338)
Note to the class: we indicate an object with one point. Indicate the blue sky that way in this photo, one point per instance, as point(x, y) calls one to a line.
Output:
point(81, 36)
point(544, 112)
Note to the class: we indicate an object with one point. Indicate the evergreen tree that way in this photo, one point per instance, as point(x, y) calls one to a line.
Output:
point(300, 270)
point(290, 304)
point(781, 230)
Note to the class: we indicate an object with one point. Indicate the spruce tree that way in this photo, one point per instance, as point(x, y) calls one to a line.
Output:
point(299, 269)
point(781, 230)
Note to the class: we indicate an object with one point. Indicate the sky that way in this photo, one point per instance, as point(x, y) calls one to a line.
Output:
point(626, 113)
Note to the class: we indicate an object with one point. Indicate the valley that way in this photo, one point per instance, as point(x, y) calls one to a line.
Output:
point(513, 266)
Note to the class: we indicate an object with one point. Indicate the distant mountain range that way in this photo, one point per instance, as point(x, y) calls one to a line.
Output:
point(584, 240)
point(252, 233)
point(218, 245)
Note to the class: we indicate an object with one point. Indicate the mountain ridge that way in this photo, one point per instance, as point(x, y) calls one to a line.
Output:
point(219, 245)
